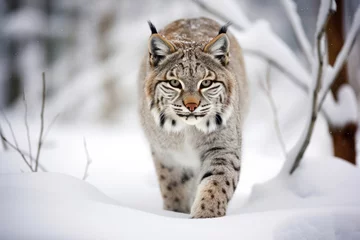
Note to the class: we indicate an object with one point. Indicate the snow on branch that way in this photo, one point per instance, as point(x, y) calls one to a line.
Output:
point(278, 55)
point(297, 152)
point(290, 9)
point(326, 7)
point(344, 110)
point(332, 73)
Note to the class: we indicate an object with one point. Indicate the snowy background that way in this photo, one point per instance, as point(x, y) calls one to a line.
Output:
point(91, 52)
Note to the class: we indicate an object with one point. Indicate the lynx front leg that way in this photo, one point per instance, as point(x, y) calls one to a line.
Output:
point(175, 186)
point(218, 179)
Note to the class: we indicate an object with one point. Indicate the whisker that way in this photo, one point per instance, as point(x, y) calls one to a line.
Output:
point(205, 109)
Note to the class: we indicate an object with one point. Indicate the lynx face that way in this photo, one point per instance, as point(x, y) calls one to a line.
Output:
point(189, 83)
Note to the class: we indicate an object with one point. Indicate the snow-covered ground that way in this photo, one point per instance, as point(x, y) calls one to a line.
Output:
point(54, 206)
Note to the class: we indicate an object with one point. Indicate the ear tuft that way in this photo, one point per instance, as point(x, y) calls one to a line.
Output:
point(152, 27)
point(158, 46)
point(219, 47)
point(224, 28)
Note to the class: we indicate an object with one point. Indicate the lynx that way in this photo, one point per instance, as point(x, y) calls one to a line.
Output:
point(193, 102)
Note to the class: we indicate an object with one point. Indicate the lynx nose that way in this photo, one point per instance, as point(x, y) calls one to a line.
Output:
point(191, 103)
point(191, 106)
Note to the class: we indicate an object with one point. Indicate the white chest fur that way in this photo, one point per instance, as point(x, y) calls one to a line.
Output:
point(187, 157)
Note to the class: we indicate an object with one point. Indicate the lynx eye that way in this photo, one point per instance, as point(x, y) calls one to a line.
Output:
point(175, 83)
point(206, 83)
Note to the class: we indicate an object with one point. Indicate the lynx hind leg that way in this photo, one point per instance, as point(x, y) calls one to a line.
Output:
point(175, 186)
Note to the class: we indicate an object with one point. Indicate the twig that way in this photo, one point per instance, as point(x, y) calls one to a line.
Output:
point(10, 127)
point(2, 140)
point(304, 141)
point(41, 121)
point(16, 148)
point(27, 126)
point(21, 151)
point(88, 161)
point(50, 126)
point(267, 89)
point(41, 167)
point(290, 9)
point(12, 145)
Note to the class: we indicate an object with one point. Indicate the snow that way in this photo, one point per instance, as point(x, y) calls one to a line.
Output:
point(325, 7)
point(57, 206)
point(313, 185)
point(344, 110)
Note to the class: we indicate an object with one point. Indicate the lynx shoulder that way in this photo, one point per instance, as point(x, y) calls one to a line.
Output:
point(193, 102)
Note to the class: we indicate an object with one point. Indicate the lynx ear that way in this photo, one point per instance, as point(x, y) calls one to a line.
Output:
point(219, 46)
point(159, 47)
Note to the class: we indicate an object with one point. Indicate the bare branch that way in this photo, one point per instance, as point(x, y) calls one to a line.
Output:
point(50, 126)
point(16, 148)
point(41, 167)
point(88, 161)
point(298, 151)
point(290, 9)
point(27, 126)
point(20, 151)
point(267, 89)
point(26, 154)
point(40, 141)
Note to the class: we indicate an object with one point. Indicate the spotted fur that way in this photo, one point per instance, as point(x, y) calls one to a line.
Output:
point(193, 103)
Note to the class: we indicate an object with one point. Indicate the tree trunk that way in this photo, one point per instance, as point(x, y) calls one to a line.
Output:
point(343, 136)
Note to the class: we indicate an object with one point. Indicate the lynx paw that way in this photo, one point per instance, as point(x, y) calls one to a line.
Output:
point(210, 202)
